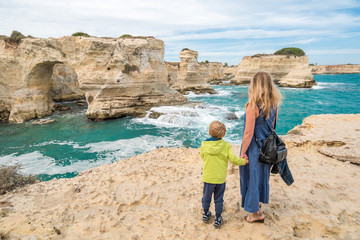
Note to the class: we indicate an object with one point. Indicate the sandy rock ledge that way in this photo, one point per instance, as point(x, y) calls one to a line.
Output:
point(157, 195)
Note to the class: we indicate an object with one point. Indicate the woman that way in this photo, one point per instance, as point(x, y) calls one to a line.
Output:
point(264, 99)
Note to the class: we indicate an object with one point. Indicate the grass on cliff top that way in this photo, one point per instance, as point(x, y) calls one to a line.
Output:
point(11, 178)
point(126, 35)
point(290, 51)
point(15, 37)
point(80, 34)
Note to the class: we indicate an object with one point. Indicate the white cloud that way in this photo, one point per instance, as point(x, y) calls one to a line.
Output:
point(333, 51)
point(252, 25)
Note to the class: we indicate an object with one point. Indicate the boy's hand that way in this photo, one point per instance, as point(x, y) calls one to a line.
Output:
point(243, 155)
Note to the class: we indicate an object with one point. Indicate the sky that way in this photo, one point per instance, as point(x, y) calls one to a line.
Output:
point(221, 31)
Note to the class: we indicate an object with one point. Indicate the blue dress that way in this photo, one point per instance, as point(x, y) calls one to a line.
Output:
point(254, 177)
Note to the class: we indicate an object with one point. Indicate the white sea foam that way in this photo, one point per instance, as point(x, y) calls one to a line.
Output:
point(130, 147)
point(193, 95)
point(187, 117)
point(322, 85)
point(107, 152)
point(223, 93)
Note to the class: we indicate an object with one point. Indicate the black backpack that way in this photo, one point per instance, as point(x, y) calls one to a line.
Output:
point(273, 149)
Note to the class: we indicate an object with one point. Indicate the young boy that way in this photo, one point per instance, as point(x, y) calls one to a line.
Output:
point(215, 153)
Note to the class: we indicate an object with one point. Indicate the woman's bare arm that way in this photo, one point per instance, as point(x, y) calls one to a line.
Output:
point(251, 115)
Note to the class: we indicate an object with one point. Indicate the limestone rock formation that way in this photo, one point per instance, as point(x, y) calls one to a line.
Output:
point(120, 77)
point(215, 71)
point(173, 68)
point(319, 130)
point(229, 72)
point(192, 75)
point(64, 85)
point(287, 71)
point(335, 69)
point(212, 71)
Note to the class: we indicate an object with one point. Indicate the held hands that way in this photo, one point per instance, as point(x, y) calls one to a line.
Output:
point(243, 155)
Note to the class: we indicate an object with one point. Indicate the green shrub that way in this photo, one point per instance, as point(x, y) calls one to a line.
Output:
point(206, 61)
point(10, 178)
point(184, 49)
point(290, 51)
point(125, 36)
point(311, 64)
point(226, 64)
point(80, 34)
point(16, 37)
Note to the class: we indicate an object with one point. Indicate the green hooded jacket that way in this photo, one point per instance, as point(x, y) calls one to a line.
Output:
point(215, 154)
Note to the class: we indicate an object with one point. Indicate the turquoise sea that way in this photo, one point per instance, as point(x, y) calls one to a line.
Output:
point(73, 144)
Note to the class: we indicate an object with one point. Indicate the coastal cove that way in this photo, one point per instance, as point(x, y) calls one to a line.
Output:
point(73, 144)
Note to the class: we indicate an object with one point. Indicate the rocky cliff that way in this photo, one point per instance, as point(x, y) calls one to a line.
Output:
point(215, 71)
point(192, 76)
point(286, 71)
point(120, 77)
point(212, 71)
point(230, 72)
point(173, 68)
point(335, 69)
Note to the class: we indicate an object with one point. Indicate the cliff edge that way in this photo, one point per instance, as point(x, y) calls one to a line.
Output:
point(157, 195)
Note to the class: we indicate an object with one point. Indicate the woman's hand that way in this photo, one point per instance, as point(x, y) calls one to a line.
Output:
point(243, 155)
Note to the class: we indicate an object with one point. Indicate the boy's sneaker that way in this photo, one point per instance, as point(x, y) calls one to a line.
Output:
point(218, 221)
point(206, 216)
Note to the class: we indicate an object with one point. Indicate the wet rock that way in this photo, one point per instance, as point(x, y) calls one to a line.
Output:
point(231, 116)
point(155, 115)
point(43, 121)
point(60, 107)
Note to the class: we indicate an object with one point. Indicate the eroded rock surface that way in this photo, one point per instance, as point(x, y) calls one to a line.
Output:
point(336, 69)
point(339, 141)
point(192, 75)
point(64, 85)
point(212, 71)
point(215, 71)
point(286, 71)
point(120, 77)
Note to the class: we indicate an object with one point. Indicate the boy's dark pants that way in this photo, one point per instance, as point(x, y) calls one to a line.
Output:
point(218, 190)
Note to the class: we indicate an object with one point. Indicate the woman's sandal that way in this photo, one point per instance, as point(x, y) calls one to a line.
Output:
point(247, 218)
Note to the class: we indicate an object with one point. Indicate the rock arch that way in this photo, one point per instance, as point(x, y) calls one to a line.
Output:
point(99, 64)
point(34, 100)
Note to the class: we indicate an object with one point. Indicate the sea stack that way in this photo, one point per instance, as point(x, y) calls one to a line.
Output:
point(192, 75)
point(286, 70)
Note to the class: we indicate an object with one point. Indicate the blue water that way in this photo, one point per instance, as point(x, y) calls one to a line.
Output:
point(73, 144)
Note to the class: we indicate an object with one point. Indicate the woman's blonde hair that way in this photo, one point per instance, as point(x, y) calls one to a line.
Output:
point(263, 93)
